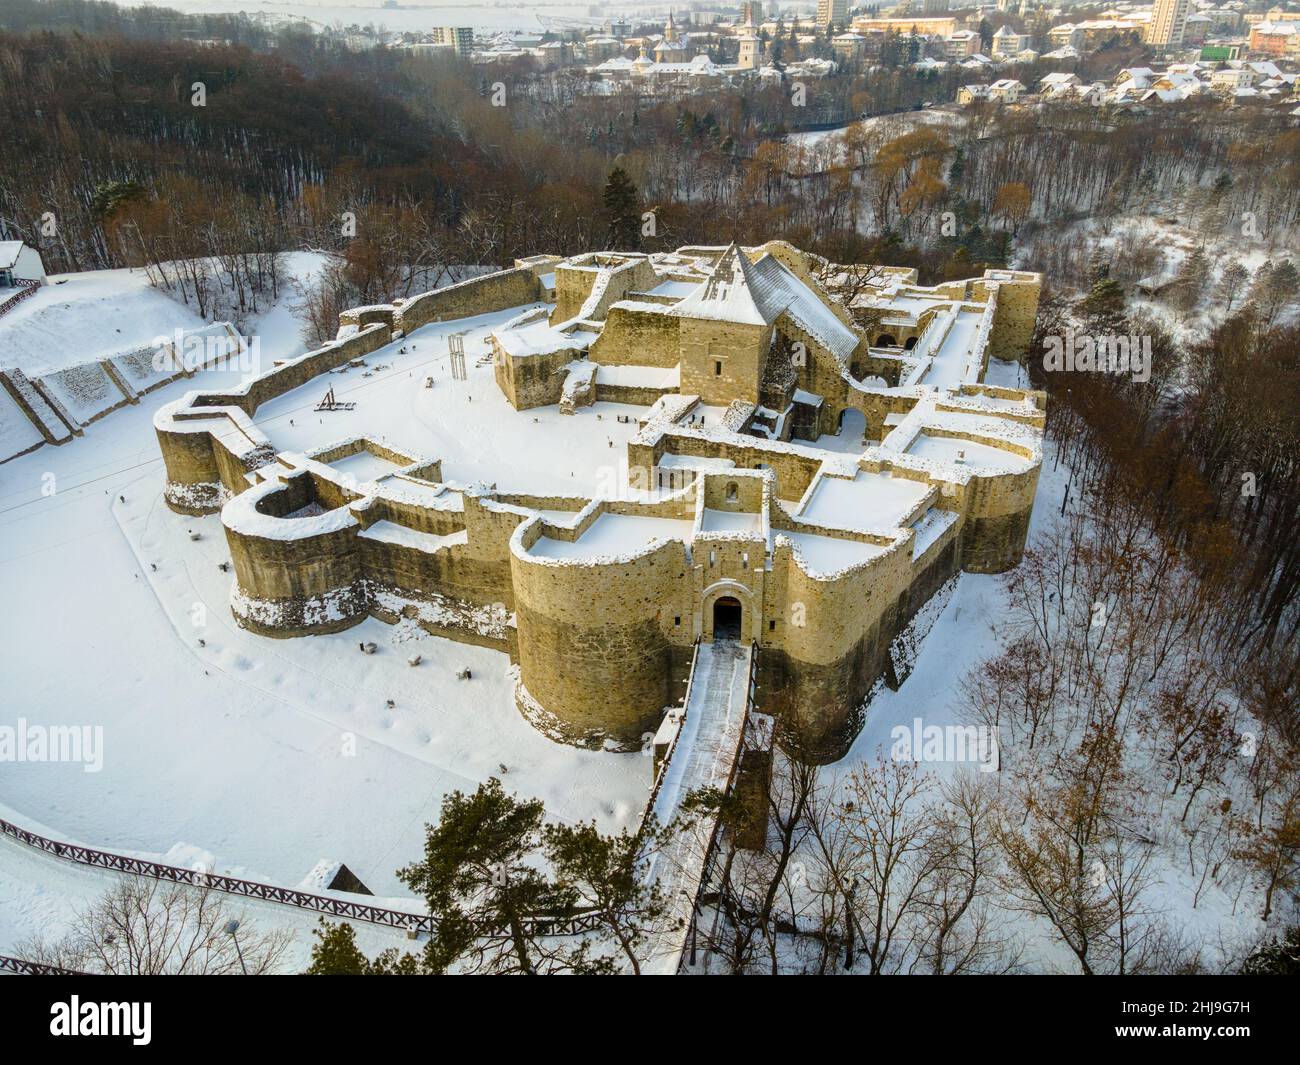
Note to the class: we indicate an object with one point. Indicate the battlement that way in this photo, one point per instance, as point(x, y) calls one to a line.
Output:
point(761, 461)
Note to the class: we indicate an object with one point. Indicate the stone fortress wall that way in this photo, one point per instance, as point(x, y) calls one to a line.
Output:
point(603, 641)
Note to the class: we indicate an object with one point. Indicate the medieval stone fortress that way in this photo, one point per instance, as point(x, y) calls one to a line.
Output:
point(600, 464)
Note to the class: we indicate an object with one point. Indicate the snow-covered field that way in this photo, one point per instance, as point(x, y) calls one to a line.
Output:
point(828, 147)
point(79, 317)
point(265, 755)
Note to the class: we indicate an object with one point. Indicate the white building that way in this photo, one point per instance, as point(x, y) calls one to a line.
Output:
point(1230, 79)
point(1007, 43)
point(19, 262)
point(751, 51)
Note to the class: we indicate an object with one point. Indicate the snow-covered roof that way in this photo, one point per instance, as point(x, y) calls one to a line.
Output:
point(731, 294)
point(807, 310)
point(758, 293)
point(1165, 96)
point(9, 250)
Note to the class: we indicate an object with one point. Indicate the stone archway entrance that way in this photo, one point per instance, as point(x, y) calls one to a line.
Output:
point(726, 618)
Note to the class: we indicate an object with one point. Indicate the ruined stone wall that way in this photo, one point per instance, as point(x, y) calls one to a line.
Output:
point(794, 470)
point(532, 380)
point(997, 509)
point(1017, 311)
point(479, 295)
point(360, 317)
point(292, 587)
point(823, 376)
point(576, 283)
point(299, 371)
point(194, 481)
point(633, 395)
point(637, 337)
point(829, 644)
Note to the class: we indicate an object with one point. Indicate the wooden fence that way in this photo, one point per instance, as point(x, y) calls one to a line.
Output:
point(574, 922)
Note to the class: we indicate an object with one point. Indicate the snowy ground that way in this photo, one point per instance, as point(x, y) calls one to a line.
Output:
point(469, 424)
point(827, 147)
point(41, 894)
point(79, 317)
point(1167, 243)
point(76, 318)
point(266, 755)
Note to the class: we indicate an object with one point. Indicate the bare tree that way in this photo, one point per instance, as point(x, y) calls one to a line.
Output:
point(148, 927)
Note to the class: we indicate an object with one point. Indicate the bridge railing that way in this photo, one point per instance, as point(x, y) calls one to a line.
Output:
point(668, 754)
point(574, 922)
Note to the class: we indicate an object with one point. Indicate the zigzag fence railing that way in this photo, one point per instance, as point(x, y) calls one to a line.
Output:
point(23, 967)
point(28, 289)
point(575, 922)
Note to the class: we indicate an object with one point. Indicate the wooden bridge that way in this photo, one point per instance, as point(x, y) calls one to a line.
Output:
point(704, 753)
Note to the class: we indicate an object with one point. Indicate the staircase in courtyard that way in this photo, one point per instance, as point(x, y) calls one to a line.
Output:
point(705, 753)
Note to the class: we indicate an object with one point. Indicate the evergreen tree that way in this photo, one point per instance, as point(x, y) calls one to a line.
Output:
point(1276, 958)
point(1191, 280)
point(335, 953)
point(607, 877)
point(957, 169)
point(1276, 287)
point(1103, 308)
point(1098, 266)
point(111, 195)
point(482, 886)
point(1231, 284)
point(624, 220)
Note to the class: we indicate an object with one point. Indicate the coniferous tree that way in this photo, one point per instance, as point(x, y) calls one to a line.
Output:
point(482, 888)
point(1191, 280)
point(485, 888)
point(335, 953)
point(607, 875)
point(1103, 307)
point(1276, 958)
point(1276, 286)
point(1231, 283)
point(620, 200)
